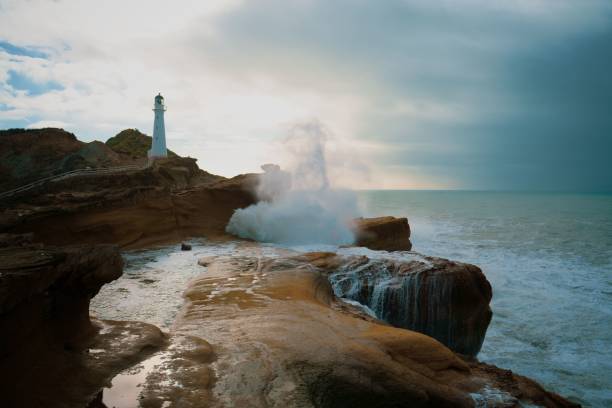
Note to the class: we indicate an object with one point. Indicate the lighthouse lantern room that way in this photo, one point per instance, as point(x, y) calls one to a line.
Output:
point(158, 147)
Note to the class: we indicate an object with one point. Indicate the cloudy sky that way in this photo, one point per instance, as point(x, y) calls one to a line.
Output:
point(467, 94)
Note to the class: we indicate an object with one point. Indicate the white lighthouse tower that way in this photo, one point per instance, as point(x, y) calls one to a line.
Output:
point(158, 148)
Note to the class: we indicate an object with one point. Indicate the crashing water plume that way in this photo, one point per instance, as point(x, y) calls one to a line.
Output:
point(298, 206)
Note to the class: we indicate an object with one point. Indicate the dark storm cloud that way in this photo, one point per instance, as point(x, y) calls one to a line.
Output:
point(523, 90)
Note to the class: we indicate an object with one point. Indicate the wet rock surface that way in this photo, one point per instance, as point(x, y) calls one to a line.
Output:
point(58, 377)
point(383, 233)
point(271, 333)
point(279, 340)
point(254, 331)
point(178, 375)
point(446, 300)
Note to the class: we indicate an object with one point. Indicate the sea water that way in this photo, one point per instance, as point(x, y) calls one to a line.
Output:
point(549, 260)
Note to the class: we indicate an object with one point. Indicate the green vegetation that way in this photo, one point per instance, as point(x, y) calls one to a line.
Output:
point(133, 142)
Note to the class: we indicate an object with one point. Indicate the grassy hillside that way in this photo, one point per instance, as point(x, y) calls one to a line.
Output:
point(133, 143)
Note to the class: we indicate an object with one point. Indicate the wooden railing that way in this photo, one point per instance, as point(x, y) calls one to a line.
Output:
point(75, 173)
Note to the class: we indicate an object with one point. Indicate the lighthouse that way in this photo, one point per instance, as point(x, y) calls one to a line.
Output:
point(158, 148)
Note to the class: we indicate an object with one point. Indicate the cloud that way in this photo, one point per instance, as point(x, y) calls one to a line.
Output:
point(492, 94)
point(50, 123)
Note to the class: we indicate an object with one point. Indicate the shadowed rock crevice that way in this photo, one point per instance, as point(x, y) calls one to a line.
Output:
point(51, 353)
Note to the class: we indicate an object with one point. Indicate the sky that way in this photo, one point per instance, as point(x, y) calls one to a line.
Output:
point(437, 94)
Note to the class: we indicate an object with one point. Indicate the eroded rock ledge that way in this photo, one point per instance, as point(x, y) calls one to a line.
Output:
point(281, 338)
point(168, 202)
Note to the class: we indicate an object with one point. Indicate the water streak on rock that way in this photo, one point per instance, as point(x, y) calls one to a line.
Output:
point(445, 300)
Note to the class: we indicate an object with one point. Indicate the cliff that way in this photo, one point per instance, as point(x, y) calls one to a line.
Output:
point(164, 203)
point(30, 154)
point(46, 329)
point(50, 289)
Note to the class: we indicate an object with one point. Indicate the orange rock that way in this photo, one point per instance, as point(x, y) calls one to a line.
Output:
point(155, 206)
point(383, 233)
point(280, 338)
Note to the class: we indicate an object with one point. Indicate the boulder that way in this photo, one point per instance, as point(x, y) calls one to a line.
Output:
point(383, 233)
point(185, 247)
point(446, 300)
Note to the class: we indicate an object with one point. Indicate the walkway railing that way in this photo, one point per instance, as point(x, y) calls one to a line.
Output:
point(75, 173)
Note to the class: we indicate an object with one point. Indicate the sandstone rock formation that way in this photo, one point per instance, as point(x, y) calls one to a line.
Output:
point(167, 202)
point(279, 337)
point(47, 334)
point(446, 300)
point(383, 233)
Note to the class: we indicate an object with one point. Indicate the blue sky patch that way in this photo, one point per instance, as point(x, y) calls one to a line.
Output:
point(24, 83)
point(33, 52)
point(4, 107)
point(16, 123)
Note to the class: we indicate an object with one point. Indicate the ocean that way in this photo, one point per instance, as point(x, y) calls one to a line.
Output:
point(548, 257)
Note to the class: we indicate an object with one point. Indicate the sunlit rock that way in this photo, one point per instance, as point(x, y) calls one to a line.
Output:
point(383, 233)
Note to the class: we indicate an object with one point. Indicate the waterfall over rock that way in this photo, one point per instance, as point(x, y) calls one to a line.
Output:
point(446, 300)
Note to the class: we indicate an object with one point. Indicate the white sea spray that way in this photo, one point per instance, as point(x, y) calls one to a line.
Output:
point(298, 206)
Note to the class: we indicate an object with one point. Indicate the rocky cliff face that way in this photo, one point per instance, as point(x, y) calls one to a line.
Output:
point(167, 202)
point(30, 154)
point(46, 329)
point(47, 289)
point(446, 300)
